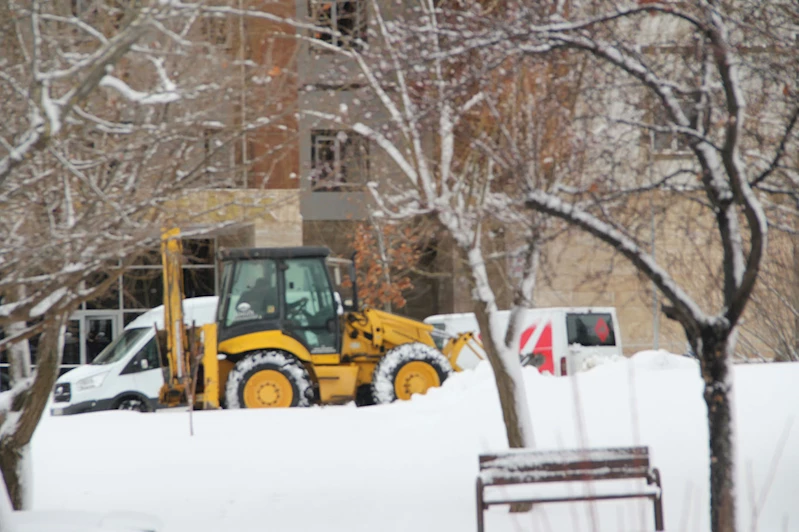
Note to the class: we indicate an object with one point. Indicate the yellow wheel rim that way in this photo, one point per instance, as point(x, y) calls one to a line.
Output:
point(268, 389)
point(415, 377)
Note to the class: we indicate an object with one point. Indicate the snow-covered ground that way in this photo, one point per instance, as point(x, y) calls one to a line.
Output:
point(411, 466)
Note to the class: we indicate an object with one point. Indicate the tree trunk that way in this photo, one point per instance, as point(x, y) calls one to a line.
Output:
point(512, 412)
point(513, 402)
point(26, 410)
point(717, 374)
point(5, 513)
point(13, 467)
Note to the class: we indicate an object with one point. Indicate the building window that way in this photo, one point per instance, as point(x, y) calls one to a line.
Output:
point(668, 142)
point(346, 17)
point(199, 271)
point(77, 7)
point(216, 31)
point(339, 160)
point(143, 282)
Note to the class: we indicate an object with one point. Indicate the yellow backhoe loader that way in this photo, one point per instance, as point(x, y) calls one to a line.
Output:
point(283, 337)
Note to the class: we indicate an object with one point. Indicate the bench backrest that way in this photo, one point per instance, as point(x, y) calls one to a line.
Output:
point(523, 466)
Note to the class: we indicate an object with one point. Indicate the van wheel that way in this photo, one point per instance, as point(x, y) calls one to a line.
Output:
point(269, 379)
point(408, 369)
point(133, 403)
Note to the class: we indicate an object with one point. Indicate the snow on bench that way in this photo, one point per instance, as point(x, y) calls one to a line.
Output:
point(524, 466)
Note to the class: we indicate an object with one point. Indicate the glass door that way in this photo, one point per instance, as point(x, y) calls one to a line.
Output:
point(72, 341)
point(100, 331)
point(88, 333)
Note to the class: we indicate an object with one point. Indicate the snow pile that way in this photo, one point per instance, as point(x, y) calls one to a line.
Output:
point(662, 359)
point(70, 521)
point(412, 465)
point(592, 361)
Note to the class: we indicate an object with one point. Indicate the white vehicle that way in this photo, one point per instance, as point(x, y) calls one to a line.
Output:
point(558, 340)
point(127, 374)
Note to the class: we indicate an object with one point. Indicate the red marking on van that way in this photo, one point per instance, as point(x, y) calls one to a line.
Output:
point(601, 329)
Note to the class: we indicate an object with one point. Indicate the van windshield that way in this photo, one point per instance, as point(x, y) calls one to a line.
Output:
point(117, 349)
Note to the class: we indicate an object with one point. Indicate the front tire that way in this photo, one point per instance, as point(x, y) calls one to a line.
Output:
point(268, 379)
point(408, 369)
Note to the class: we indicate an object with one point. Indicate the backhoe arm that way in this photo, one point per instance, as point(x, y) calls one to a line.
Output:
point(176, 378)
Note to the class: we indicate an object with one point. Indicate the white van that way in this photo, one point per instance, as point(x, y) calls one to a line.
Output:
point(558, 340)
point(127, 374)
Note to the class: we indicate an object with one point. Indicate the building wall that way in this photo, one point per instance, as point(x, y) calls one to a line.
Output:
point(271, 216)
point(272, 151)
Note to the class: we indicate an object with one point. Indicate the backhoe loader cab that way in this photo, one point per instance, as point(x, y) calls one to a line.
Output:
point(287, 290)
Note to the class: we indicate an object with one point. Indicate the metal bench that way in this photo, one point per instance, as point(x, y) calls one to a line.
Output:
point(523, 466)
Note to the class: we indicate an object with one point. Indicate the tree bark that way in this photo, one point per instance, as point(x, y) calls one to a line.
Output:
point(11, 464)
point(505, 385)
point(512, 411)
point(716, 372)
point(5, 513)
point(27, 407)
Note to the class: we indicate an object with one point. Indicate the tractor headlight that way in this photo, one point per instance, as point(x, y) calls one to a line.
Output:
point(95, 381)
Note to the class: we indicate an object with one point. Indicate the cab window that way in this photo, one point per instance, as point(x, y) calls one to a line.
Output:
point(253, 292)
point(309, 304)
point(306, 279)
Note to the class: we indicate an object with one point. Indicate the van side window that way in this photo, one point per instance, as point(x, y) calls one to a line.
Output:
point(590, 329)
point(150, 354)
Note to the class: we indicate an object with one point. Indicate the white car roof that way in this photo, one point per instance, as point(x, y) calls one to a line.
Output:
point(200, 310)
point(534, 310)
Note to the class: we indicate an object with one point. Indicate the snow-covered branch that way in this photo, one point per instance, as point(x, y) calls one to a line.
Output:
point(39, 132)
point(552, 205)
point(134, 96)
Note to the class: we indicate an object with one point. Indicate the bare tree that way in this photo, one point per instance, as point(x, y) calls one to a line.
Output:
point(111, 116)
point(680, 79)
point(446, 145)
